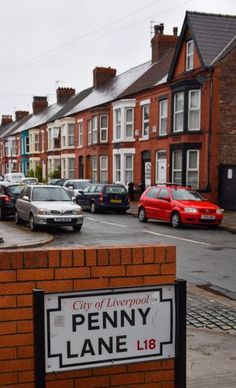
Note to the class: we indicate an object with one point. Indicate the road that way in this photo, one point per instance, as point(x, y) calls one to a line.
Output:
point(205, 257)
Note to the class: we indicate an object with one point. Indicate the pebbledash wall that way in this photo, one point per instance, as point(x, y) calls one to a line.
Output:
point(69, 270)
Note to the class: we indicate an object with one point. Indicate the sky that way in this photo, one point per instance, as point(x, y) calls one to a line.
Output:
point(46, 44)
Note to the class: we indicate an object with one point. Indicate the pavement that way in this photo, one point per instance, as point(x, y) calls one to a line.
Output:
point(211, 318)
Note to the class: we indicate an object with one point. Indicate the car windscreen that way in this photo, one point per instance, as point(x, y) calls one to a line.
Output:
point(115, 190)
point(50, 194)
point(80, 185)
point(186, 195)
point(15, 189)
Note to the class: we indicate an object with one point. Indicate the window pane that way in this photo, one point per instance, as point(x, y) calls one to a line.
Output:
point(179, 101)
point(103, 121)
point(129, 115)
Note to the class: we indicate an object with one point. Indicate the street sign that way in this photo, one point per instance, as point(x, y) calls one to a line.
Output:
point(109, 327)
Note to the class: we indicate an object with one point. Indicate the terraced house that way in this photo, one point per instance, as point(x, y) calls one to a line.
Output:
point(172, 118)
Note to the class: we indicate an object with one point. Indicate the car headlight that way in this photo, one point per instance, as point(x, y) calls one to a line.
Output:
point(219, 211)
point(43, 211)
point(77, 211)
point(190, 210)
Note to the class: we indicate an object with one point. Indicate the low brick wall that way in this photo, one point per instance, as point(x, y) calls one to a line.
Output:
point(73, 270)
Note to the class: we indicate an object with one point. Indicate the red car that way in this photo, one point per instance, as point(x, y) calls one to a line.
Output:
point(178, 205)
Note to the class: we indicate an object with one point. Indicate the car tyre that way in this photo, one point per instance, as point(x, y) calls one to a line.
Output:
point(17, 218)
point(33, 227)
point(77, 228)
point(93, 208)
point(2, 215)
point(175, 220)
point(142, 215)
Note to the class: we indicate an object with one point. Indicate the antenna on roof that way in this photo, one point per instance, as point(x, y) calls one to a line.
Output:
point(57, 82)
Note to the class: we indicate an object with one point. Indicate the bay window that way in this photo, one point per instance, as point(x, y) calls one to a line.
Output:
point(192, 173)
point(123, 165)
point(80, 133)
point(94, 130)
point(71, 135)
point(163, 112)
point(94, 169)
point(118, 124)
point(103, 169)
point(129, 120)
point(178, 112)
point(123, 120)
point(177, 157)
point(194, 110)
point(89, 132)
point(103, 128)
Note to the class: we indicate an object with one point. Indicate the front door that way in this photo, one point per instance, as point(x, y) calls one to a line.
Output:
point(227, 187)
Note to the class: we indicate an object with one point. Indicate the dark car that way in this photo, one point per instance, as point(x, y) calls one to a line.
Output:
point(178, 205)
point(9, 193)
point(102, 196)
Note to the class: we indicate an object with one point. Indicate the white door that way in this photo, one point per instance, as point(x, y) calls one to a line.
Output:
point(161, 170)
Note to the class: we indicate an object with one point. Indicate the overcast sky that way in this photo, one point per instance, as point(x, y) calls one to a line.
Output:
point(49, 43)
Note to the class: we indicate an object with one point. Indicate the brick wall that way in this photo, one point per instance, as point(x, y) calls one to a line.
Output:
point(69, 270)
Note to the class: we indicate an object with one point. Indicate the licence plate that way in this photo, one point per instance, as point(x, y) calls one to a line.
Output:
point(115, 200)
point(206, 217)
point(62, 219)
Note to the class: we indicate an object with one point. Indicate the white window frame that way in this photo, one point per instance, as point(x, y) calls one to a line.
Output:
point(175, 169)
point(63, 136)
point(145, 121)
point(178, 112)
point(193, 110)
point(94, 168)
point(80, 133)
point(129, 123)
point(120, 127)
point(36, 142)
point(103, 130)
point(163, 117)
point(103, 163)
point(66, 171)
point(71, 134)
point(119, 172)
point(189, 55)
point(193, 169)
point(89, 123)
point(129, 170)
point(94, 124)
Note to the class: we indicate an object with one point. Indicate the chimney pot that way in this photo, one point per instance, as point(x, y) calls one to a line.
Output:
point(156, 29)
point(175, 31)
point(39, 104)
point(20, 114)
point(101, 75)
point(162, 43)
point(63, 94)
point(6, 119)
point(161, 28)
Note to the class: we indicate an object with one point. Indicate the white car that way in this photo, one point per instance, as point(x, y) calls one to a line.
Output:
point(75, 186)
point(43, 205)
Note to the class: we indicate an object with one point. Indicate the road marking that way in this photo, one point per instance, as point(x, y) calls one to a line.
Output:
point(177, 238)
point(105, 222)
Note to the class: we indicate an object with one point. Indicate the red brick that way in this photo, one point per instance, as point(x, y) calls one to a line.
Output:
point(7, 301)
point(24, 300)
point(149, 256)
point(160, 254)
point(16, 314)
point(25, 326)
point(62, 384)
point(11, 259)
point(126, 255)
point(25, 352)
point(26, 376)
point(153, 365)
point(7, 276)
point(126, 282)
point(56, 285)
point(171, 254)
point(86, 284)
point(66, 258)
point(72, 273)
point(16, 340)
point(164, 279)
point(168, 269)
point(114, 256)
point(35, 259)
point(53, 258)
point(162, 375)
point(78, 257)
point(91, 257)
point(112, 271)
point(146, 269)
point(103, 257)
point(137, 255)
point(7, 327)
point(17, 365)
point(127, 378)
point(7, 353)
point(8, 379)
point(16, 288)
point(92, 382)
point(110, 370)
point(34, 274)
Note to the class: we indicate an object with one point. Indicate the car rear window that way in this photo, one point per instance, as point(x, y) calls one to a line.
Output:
point(15, 190)
point(186, 195)
point(115, 190)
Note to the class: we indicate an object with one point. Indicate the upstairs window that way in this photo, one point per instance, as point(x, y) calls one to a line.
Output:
point(80, 133)
point(63, 136)
point(163, 111)
point(129, 123)
point(145, 121)
point(189, 54)
point(36, 142)
point(27, 146)
point(71, 135)
point(194, 110)
point(94, 130)
point(103, 128)
point(89, 132)
point(123, 120)
point(118, 124)
point(178, 112)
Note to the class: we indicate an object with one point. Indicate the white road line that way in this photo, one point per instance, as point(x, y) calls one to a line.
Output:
point(105, 222)
point(177, 238)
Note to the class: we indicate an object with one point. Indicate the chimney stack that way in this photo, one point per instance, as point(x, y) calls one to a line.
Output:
point(39, 104)
point(102, 75)
point(63, 94)
point(20, 114)
point(6, 119)
point(162, 43)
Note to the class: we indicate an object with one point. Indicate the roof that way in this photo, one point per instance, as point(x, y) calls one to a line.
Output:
point(212, 34)
point(6, 131)
point(112, 89)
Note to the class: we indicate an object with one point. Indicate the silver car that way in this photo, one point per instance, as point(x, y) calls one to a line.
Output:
point(43, 205)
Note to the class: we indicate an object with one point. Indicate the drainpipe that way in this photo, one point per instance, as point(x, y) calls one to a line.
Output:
point(210, 130)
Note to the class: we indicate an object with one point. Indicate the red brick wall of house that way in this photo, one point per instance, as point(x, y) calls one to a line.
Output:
point(69, 270)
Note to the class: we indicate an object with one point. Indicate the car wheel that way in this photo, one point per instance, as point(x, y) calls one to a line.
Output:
point(2, 215)
point(33, 227)
point(17, 218)
point(142, 215)
point(77, 228)
point(175, 220)
point(93, 208)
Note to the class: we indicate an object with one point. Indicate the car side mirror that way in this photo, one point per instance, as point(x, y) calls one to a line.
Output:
point(26, 198)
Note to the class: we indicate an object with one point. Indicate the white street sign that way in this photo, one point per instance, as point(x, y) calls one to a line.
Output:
point(109, 327)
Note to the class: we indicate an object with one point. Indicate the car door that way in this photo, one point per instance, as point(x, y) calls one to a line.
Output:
point(83, 198)
point(164, 204)
point(23, 204)
point(150, 202)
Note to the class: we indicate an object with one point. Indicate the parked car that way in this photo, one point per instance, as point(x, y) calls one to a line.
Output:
point(57, 181)
point(43, 205)
point(178, 205)
point(74, 186)
point(9, 192)
point(102, 196)
point(14, 177)
point(30, 181)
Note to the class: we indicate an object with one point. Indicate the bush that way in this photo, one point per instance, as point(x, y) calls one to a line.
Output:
point(39, 173)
